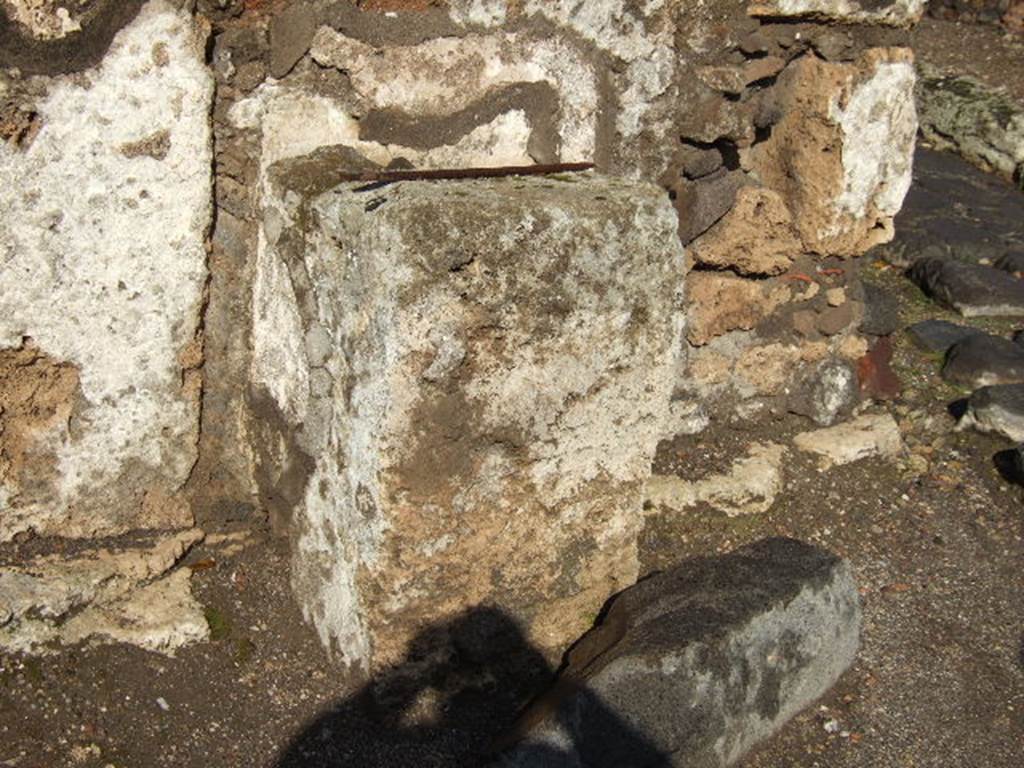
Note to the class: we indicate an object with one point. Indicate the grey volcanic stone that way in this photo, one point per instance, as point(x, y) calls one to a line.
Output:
point(702, 203)
point(984, 360)
point(972, 290)
point(954, 210)
point(982, 124)
point(939, 335)
point(694, 666)
point(291, 33)
point(881, 311)
point(825, 393)
point(998, 410)
point(1011, 262)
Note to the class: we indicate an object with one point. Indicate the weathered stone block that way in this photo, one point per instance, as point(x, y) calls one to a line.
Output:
point(128, 595)
point(102, 268)
point(694, 666)
point(459, 388)
point(889, 12)
point(980, 123)
point(842, 152)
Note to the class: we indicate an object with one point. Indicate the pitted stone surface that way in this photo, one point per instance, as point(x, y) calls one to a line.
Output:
point(843, 202)
point(474, 376)
point(102, 267)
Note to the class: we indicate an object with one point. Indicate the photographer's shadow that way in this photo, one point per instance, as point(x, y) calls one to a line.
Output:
point(455, 700)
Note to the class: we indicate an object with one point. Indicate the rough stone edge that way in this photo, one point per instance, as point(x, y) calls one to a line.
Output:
point(73, 53)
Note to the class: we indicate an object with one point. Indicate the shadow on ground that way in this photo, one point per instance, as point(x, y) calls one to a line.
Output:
point(454, 701)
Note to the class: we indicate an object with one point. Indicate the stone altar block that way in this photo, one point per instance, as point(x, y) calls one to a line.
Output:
point(457, 390)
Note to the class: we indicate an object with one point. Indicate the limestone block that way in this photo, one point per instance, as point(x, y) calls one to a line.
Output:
point(102, 267)
point(888, 12)
point(841, 155)
point(540, 82)
point(459, 388)
point(541, 96)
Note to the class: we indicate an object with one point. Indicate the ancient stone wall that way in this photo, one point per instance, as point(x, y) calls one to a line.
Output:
point(170, 326)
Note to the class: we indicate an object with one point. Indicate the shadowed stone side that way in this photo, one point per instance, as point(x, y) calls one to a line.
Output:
point(699, 663)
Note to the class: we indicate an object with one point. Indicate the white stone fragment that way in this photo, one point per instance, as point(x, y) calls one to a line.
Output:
point(890, 12)
point(863, 437)
point(878, 120)
point(750, 486)
point(123, 595)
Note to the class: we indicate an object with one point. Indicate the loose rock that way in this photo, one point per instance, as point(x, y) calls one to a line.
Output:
point(1012, 262)
point(103, 596)
point(939, 335)
point(694, 666)
point(998, 410)
point(983, 360)
point(881, 311)
point(875, 374)
point(982, 124)
point(865, 436)
point(973, 290)
point(750, 487)
point(719, 302)
point(826, 392)
point(291, 34)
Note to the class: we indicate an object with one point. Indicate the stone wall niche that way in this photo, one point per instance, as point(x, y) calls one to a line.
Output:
point(460, 386)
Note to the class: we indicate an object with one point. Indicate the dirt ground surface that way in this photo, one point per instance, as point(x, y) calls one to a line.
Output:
point(936, 541)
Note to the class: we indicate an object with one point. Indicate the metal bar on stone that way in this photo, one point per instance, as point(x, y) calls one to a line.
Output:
point(376, 179)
